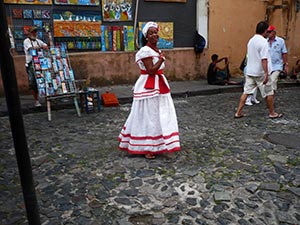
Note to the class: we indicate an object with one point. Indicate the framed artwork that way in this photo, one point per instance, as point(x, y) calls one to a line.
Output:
point(31, 2)
point(38, 23)
point(19, 46)
point(46, 14)
point(78, 2)
point(182, 1)
point(79, 24)
point(37, 14)
point(18, 34)
point(119, 11)
point(40, 35)
point(27, 14)
point(166, 34)
point(25, 29)
point(17, 13)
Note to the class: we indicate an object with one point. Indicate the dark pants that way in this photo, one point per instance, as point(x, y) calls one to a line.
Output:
point(31, 77)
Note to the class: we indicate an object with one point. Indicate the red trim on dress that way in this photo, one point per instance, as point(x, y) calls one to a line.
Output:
point(149, 137)
point(150, 152)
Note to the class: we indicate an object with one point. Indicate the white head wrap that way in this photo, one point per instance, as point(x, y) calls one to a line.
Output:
point(147, 26)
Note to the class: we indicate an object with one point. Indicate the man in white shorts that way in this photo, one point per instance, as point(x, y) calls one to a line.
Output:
point(278, 53)
point(258, 67)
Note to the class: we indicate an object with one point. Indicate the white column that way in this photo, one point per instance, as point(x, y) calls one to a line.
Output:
point(202, 18)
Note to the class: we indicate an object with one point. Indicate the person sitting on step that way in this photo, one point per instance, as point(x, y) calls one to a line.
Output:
point(217, 75)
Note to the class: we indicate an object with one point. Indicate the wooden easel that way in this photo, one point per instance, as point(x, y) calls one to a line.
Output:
point(65, 95)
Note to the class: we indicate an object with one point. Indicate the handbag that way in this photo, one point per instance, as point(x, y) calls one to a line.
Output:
point(109, 99)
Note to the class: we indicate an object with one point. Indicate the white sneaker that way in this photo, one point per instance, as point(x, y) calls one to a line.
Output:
point(248, 102)
point(37, 104)
point(255, 101)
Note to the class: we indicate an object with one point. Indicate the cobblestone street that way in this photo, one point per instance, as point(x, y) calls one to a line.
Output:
point(230, 171)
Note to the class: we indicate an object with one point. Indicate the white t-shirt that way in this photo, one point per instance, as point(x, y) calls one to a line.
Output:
point(257, 49)
point(28, 43)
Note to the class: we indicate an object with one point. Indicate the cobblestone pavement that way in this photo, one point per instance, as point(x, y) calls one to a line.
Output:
point(230, 171)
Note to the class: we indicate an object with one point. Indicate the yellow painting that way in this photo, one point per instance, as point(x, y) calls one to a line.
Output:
point(166, 34)
point(32, 2)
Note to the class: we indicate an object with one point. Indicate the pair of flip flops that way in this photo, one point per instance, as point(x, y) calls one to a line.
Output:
point(276, 116)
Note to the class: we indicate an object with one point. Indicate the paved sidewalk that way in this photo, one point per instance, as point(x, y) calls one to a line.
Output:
point(124, 94)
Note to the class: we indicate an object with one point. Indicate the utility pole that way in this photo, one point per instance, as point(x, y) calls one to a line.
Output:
point(16, 121)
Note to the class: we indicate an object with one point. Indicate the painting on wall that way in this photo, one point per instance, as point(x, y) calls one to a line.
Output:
point(183, 1)
point(76, 24)
point(32, 2)
point(37, 14)
point(117, 11)
point(77, 2)
point(166, 34)
point(117, 38)
point(17, 13)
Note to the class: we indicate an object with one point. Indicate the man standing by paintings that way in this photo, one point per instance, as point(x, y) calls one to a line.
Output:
point(32, 43)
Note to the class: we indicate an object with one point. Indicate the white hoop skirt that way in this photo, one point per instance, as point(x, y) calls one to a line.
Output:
point(151, 127)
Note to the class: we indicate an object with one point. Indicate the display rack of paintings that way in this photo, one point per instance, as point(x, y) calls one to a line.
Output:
point(54, 75)
point(166, 34)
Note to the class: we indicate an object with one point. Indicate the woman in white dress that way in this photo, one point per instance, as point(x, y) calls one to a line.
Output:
point(151, 127)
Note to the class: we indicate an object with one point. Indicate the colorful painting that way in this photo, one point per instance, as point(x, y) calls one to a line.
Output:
point(17, 13)
point(117, 11)
point(31, 2)
point(117, 38)
point(19, 45)
point(182, 1)
point(40, 35)
point(37, 14)
point(38, 23)
point(80, 24)
point(27, 14)
point(18, 34)
point(77, 2)
point(25, 29)
point(166, 34)
point(46, 14)
point(129, 42)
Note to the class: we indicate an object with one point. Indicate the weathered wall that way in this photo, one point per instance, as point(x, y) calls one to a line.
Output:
point(108, 68)
point(232, 23)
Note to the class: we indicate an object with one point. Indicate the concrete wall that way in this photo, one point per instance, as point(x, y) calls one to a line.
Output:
point(232, 23)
